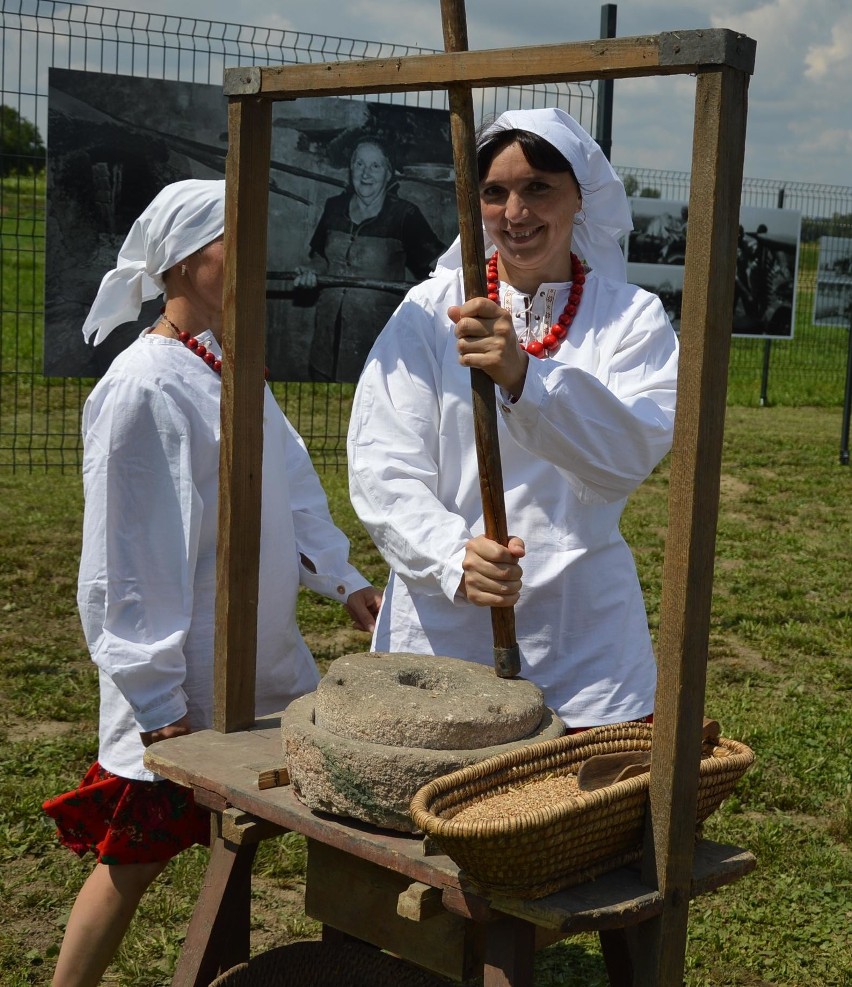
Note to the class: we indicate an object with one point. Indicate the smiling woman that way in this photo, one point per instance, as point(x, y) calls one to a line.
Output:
point(368, 231)
point(530, 198)
point(580, 429)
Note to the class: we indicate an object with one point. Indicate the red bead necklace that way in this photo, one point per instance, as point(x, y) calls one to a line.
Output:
point(199, 349)
point(552, 339)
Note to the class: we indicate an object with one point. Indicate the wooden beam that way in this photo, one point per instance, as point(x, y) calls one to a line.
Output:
point(240, 458)
point(670, 53)
point(507, 656)
point(708, 300)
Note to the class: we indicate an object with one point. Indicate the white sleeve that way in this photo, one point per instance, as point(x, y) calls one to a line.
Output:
point(323, 548)
point(140, 539)
point(607, 429)
point(393, 452)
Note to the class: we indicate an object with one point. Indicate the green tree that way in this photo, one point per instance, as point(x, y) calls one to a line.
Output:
point(21, 146)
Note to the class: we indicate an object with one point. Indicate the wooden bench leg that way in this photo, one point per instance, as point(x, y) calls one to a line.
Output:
point(218, 933)
point(509, 953)
point(616, 955)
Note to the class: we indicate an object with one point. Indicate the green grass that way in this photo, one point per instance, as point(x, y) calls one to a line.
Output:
point(778, 676)
point(778, 679)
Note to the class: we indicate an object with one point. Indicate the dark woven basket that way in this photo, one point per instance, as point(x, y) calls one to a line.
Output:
point(321, 964)
point(534, 853)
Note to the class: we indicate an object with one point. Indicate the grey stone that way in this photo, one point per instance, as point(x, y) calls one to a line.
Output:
point(347, 772)
point(410, 700)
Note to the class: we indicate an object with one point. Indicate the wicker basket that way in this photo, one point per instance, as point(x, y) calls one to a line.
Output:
point(321, 964)
point(537, 852)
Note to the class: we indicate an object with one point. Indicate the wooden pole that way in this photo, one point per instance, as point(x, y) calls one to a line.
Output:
point(708, 298)
point(507, 661)
point(241, 455)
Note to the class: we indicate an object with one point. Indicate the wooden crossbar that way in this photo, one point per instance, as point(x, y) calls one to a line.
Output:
point(672, 53)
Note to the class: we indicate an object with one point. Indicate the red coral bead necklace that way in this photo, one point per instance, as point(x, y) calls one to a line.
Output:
point(552, 339)
point(199, 349)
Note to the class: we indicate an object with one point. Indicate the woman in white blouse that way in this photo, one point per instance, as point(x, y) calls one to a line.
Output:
point(147, 582)
point(585, 368)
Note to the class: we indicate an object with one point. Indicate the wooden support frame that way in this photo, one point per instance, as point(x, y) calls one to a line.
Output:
point(722, 61)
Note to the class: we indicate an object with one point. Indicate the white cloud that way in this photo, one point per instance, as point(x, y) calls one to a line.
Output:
point(800, 111)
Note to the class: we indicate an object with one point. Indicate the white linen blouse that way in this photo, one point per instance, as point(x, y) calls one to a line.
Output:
point(147, 579)
point(591, 424)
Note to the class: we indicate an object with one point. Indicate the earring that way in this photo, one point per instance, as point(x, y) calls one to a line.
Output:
point(578, 219)
point(183, 270)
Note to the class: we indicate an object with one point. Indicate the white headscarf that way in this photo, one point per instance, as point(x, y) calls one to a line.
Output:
point(181, 219)
point(605, 205)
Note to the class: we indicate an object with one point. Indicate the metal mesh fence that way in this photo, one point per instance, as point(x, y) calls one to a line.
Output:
point(39, 416)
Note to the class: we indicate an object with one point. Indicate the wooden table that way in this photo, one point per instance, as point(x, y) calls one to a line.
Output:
point(382, 886)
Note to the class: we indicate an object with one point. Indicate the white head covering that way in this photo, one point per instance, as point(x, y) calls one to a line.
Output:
point(181, 219)
point(607, 211)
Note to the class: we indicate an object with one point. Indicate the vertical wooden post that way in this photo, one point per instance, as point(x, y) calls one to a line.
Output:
point(241, 455)
point(708, 298)
point(507, 660)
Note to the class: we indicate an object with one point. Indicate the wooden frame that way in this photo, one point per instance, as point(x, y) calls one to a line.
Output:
point(722, 61)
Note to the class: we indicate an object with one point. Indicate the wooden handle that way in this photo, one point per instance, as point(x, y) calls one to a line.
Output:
point(507, 660)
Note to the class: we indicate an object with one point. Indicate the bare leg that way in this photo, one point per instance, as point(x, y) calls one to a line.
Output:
point(100, 917)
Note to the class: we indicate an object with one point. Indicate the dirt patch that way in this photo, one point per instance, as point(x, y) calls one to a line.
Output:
point(732, 487)
point(19, 729)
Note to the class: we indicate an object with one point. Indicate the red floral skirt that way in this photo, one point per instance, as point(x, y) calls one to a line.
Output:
point(123, 821)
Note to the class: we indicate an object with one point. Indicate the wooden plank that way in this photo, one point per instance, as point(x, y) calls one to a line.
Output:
point(621, 899)
point(241, 827)
point(419, 902)
point(718, 150)
point(360, 898)
point(240, 458)
point(509, 954)
point(616, 955)
point(679, 52)
point(218, 933)
point(214, 765)
point(214, 760)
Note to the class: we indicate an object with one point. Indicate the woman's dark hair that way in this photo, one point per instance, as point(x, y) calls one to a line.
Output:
point(539, 152)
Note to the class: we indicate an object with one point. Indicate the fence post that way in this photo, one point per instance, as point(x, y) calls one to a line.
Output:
point(603, 116)
point(847, 400)
point(767, 343)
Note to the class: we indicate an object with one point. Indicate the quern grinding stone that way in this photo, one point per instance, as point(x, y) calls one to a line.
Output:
point(379, 726)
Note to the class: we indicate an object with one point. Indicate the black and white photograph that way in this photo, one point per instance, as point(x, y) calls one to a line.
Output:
point(659, 231)
point(833, 295)
point(767, 259)
point(361, 204)
point(664, 281)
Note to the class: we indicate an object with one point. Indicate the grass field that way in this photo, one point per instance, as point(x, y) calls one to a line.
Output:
point(779, 679)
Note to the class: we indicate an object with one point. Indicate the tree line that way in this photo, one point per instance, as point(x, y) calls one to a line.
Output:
point(21, 147)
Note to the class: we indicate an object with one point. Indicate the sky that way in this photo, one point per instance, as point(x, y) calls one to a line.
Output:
point(800, 96)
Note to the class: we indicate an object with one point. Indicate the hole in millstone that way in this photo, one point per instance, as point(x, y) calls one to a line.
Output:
point(423, 680)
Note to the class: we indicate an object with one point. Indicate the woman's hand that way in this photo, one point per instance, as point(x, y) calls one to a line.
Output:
point(492, 576)
point(363, 606)
point(178, 729)
point(306, 279)
point(487, 340)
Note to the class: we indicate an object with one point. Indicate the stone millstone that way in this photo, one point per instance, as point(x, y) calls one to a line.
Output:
point(380, 726)
point(406, 700)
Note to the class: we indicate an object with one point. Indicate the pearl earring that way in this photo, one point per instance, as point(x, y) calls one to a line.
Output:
point(183, 270)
